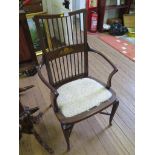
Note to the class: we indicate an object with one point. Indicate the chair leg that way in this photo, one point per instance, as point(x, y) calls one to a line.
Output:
point(113, 111)
point(67, 129)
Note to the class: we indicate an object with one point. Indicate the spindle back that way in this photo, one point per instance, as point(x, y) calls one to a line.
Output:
point(63, 39)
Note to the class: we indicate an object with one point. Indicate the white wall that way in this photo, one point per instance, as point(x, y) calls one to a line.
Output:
point(82, 4)
point(54, 6)
point(79, 4)
point(75, 5)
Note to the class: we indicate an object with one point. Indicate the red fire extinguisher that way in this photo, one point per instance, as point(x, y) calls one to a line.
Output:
point(93, 21)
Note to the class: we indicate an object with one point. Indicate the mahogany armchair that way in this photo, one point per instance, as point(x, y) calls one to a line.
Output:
point(77, 95)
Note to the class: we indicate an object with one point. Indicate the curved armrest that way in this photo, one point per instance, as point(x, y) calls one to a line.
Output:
point(114, 67)
point(54, 91)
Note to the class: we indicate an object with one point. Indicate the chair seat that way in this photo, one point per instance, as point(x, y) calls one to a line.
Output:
point(81, 95)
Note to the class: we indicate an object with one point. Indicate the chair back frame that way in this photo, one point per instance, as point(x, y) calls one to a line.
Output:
point(65, 56)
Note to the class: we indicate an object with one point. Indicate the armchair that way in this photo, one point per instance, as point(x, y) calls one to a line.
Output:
point(77, 95)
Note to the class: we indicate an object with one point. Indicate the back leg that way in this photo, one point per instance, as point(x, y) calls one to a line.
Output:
point(113, 111)
point(67, 129)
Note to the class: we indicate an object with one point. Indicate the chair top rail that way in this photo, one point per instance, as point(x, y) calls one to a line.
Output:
point(61, 15)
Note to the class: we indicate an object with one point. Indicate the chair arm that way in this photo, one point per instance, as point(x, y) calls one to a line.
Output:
point(54, 91)
point(108, 85)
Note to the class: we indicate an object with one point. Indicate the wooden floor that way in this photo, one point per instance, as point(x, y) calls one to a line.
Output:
point(92, 136)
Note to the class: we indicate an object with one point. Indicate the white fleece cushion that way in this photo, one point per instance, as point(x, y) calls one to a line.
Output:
point(81, 95)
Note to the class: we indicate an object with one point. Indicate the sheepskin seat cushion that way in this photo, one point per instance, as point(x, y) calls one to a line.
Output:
point(81, 95)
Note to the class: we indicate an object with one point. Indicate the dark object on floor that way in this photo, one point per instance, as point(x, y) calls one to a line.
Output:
point(113, 20)
point(27, 121)
point(25, 88)
point(27, 72)
point(117, 29)
point(30, 72)
point(103, 8)
point(68, 75)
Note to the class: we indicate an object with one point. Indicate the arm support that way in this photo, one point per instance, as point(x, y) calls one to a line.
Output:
point(114, 67)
